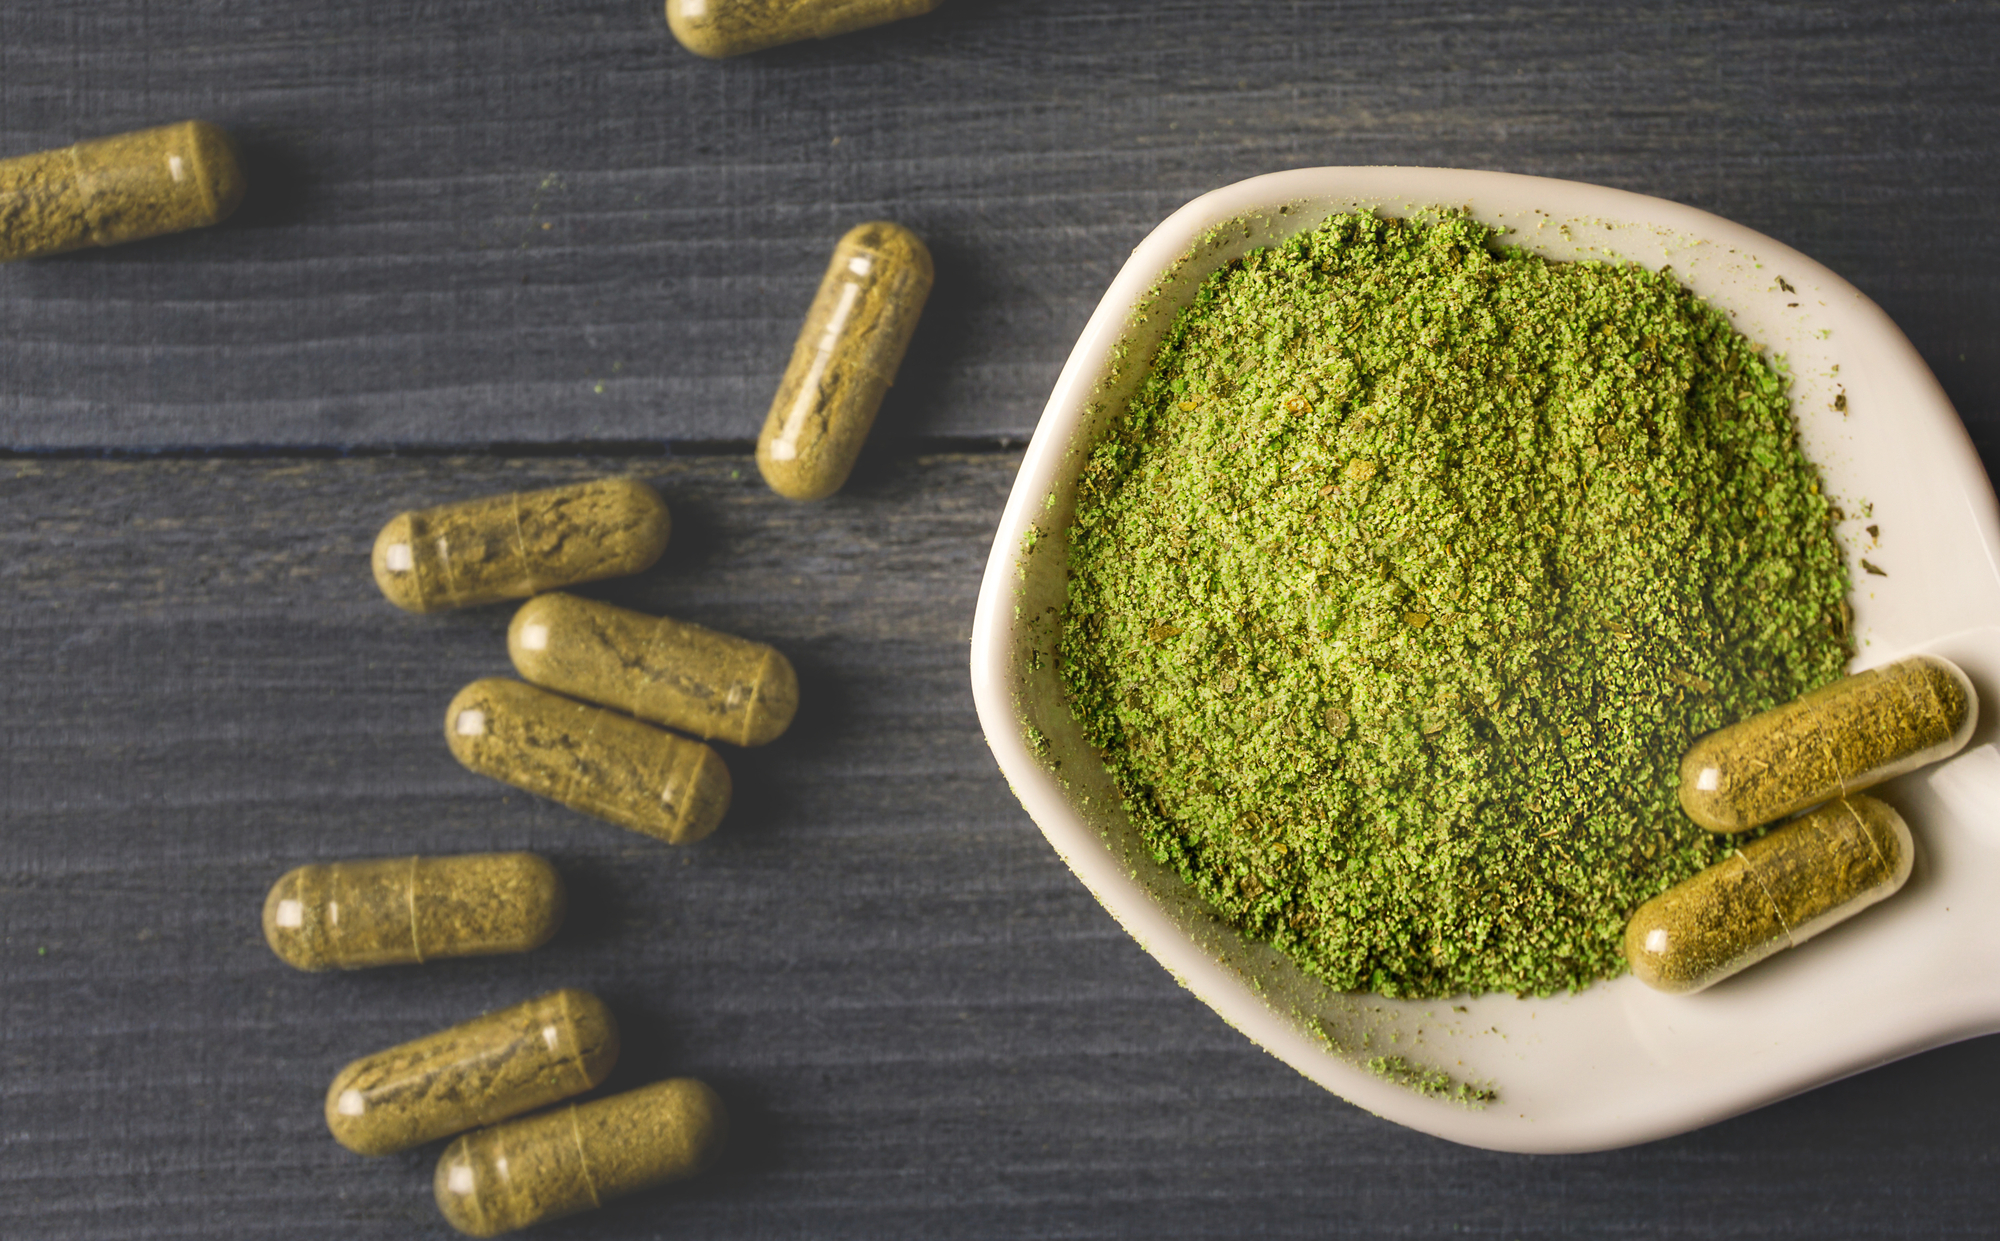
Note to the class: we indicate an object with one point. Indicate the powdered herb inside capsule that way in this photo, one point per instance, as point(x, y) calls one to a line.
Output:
point(1407, 577)
point(1851, 734)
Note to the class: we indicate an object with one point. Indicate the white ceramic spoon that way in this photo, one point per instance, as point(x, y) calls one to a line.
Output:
point(1616, 1063)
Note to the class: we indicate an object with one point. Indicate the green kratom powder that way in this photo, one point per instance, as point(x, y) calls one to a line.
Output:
point(1404, 581)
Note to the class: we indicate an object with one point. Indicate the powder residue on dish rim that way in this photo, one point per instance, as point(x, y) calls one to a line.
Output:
point(1403, 581)
point(1396, 1067)
point(1431, 1083)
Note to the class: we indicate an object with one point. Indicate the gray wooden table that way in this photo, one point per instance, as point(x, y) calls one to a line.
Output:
point(494, 246)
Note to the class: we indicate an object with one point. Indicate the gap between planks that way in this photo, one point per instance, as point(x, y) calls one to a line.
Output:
point(965, 445)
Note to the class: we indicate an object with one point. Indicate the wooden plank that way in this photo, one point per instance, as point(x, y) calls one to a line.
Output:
point(474, 224)
point(923, 1024)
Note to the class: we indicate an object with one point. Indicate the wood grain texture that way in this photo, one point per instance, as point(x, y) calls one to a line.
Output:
point(473, 223)
point(925, 1026)
point(546, 225)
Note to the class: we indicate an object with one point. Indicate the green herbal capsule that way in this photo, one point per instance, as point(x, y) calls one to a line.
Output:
point(485, 1070)
point(589, 759)
point(1774, 893)
point(578, 1158)
point(406, 910)
point(719, 28)
point(846, 357)
point(516, 545)
point(1842, 737)
point(659, 669)
point(119, 189)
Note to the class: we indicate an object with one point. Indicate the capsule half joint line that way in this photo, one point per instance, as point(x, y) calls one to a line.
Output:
point(120, 188)
point(410, 903)
point(844, 360)
point(366, 912)
point(592, 759)
point(493, 1067)
point(1840, 739)
point(663, 671)
point(1774, 893)
point(583, 1161)
point(1770, 897)
point(521, 544)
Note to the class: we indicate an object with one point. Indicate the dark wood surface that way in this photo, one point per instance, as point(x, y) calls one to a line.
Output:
point(923, 1024)
point(473, 223)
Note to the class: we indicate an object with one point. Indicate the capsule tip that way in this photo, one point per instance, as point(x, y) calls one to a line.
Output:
point(1650, 951)
point(652, 522)
point(291, 922)
point(531, 634)
point(708, 790)
point(457, 1188)
point(544, 897)
point(698, 33)
point(395, 563)
point(596, 1030)
point(708, 1120)
point(795, 479)
point(472, 717)
point(902, 246)
point(1889, 836)
point(1704, 791)
point(1957, 702)
point(773, 702)
point(219, 167)
point(347, 1117)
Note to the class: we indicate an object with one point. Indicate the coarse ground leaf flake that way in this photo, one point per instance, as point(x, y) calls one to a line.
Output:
point(1407, 576)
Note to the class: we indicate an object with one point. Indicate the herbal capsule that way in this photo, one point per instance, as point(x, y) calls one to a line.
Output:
point(1774, 893)
point(405, 910)
point(562, 1162)
point(484, 1070)
point(845, 359)
point(589, 759)
point(1856, 732)
point(719, 28)
point(112, 190)
point(516, 545)
point(654, 667)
